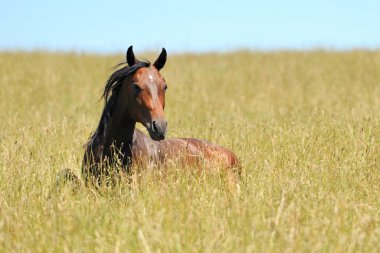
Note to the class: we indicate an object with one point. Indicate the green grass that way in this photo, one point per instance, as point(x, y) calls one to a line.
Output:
point(305, 126)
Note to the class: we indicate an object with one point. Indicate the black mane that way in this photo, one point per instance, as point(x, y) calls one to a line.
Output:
point(115, 81)
point(111, 90)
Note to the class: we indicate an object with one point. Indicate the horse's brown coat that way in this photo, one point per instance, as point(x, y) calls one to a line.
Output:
point(183, 150)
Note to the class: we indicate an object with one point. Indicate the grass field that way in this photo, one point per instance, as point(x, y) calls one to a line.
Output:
point(305, 126)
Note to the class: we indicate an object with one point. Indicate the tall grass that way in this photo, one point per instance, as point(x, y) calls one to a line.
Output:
point(305, 126)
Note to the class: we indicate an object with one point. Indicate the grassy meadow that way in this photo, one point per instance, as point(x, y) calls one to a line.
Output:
point(305, 126)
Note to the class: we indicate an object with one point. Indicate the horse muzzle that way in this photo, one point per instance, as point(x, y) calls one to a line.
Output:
point(157, 129)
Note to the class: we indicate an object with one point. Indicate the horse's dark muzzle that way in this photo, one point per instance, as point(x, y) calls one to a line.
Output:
point(157, 130)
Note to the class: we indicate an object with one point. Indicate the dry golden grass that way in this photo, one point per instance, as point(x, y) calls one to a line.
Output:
point(305, 126)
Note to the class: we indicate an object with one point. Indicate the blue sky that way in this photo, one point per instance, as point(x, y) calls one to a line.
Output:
point(190, 26)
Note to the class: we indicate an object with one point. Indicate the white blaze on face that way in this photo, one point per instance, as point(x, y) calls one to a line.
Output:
point(153, 88)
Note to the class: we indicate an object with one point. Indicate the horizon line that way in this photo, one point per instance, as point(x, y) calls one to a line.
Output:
point(202, 51)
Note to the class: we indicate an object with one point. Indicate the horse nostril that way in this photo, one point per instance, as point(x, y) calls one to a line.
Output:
point(154, 127)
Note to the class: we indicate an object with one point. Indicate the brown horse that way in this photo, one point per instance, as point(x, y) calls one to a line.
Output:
point(136, 93)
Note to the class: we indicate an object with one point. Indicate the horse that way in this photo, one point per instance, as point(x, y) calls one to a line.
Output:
point(135, 92)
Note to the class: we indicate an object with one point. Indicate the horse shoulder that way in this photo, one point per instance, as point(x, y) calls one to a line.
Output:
point(143, 148)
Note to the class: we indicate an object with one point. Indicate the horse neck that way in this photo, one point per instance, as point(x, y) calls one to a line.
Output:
point(121, 129)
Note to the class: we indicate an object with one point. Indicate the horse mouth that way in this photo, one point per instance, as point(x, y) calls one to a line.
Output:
point(156, 136)
point(157, 129)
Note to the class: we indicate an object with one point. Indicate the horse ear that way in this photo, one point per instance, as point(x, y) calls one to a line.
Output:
point(160, 62)
point(131, 59)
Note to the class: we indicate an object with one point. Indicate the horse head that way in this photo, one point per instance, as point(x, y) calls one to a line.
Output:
point(143, 94)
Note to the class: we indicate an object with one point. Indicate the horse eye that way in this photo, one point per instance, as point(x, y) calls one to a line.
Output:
point(165, 87)
point(137, 89)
